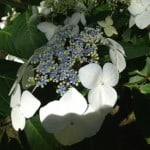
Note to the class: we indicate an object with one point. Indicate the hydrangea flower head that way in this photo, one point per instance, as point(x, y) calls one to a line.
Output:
point(100, 82)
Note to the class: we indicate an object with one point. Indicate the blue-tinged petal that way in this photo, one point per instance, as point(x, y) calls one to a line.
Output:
point(18, 120)
point(90, 75)
point(29, 104)
point(110, 74)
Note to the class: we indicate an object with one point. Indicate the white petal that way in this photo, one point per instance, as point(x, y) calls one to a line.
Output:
point(102, 24)
point(73, 101)
point(75, 18)
point(131, 21)
point(95, 98)
point(50, 115)
point(79, 127)
point(13, 87)
point(136, 7)
point(146, 3)
point(109, 20)
point(90, 75)
point(75, 30)
point(47, 28)
point(15, 97)
point(102, 99)
point(83, 20)
point(115, 46)
point(109, 96)
point(28, 73)
point(18, 120)
point(117, 59)
point(29, 104)
point(67, 20)
point(143, 20)
point(110, 74)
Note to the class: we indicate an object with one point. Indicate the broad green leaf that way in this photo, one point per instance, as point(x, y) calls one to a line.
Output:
point(26, 36)
point(135, 51)
point(6, 42)
point(37, 137)
point(145, 89)
point(7, 76)
point(148, 140)
point(21, 38)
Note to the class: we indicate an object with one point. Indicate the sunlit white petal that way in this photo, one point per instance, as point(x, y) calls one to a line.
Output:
point(73, 101)
point(18, 120)
point(90, 75)
point(110, 74)
point(50, 115)
point(29, 104)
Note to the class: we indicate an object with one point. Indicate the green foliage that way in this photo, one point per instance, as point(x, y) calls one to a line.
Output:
point(7, 77)
point(22, 37)
point(37, 137)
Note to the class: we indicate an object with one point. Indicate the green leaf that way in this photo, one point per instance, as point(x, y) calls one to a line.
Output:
point(7, 76)
point(26, 37)
point(6, 42)
point(146, 70)
point(135, 51)
point(145, 89)
point(21, 38)
point(37, 137)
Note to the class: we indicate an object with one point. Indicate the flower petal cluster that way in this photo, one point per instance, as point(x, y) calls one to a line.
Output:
point(109, 29)
point(23, 106)
point(140, 13)
point(71, 118)
point(100, 82)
